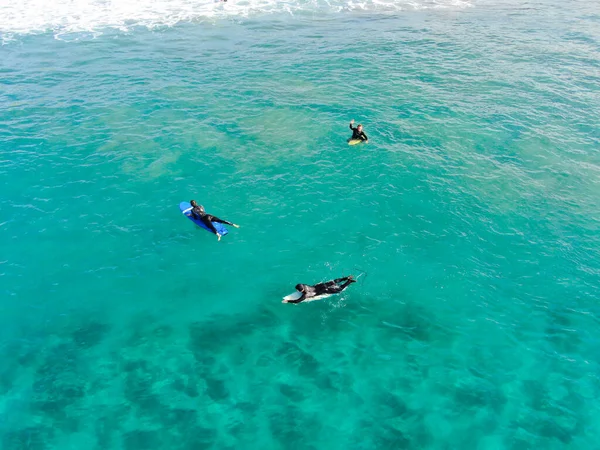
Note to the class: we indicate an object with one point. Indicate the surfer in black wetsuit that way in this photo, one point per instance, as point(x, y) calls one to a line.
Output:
point(358, 133)
point(328, 287)
point(198, 213)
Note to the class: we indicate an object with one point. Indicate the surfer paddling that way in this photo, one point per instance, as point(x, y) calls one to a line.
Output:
point(328, 287)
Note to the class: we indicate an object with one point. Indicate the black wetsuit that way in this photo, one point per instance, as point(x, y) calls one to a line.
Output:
point(358, 134)
point(207, 219)
point(329, 287)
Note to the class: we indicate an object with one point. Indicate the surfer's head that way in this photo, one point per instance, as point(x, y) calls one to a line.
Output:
point(359, 127)
point(196, 205)
point(300, 287)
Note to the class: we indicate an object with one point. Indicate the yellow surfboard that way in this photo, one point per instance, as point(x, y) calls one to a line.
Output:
point(354, 141)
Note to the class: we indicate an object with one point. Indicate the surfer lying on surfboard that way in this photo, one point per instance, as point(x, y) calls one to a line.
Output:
point(328, 287)
point(358, 133)
point(198, 213)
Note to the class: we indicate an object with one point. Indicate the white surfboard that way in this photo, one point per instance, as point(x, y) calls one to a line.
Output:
point(296, 295)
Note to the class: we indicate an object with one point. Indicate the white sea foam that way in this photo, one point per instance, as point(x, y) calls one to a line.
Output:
point(92, 16)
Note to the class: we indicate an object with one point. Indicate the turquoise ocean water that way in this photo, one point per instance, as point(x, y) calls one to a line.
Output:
point(473, 210)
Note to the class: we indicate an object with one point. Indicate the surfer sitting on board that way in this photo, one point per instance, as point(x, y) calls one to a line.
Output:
point(328, 287)
point(358, 133)
point(198, 213)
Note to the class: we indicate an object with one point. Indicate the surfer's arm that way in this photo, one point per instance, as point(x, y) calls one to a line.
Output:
point(351, 127)
point(364, 136)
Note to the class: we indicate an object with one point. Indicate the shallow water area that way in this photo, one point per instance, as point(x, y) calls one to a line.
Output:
point(472, 211)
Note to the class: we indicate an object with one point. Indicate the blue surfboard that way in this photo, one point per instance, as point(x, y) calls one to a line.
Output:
point(186, 209)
